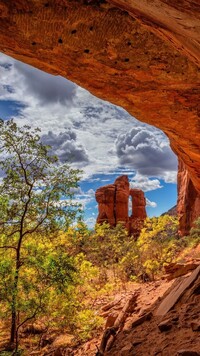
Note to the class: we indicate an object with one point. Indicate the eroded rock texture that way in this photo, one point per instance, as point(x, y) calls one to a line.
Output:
point(138, 203)
point(143, 55)
point(105, 197)
point(139, 214)
point(112, 202)
point(121, 199)
point(188, 200)
point(113, 205)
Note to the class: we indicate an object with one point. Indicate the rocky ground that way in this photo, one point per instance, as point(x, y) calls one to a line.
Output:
point(175, 333)
point(164, 320)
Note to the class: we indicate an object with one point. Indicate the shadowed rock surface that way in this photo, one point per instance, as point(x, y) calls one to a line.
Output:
point(188, 206)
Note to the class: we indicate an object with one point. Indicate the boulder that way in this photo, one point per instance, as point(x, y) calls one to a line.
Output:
point(175, 270)
point(165, 325)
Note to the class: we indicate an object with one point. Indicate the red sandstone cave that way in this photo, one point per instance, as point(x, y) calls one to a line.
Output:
point(142, 55)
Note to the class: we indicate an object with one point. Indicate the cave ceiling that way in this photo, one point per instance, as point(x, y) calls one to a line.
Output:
point(141, 55)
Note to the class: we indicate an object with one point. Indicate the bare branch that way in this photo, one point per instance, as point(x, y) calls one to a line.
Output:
point(8, 247)
point(12, 233)
point(40, 222)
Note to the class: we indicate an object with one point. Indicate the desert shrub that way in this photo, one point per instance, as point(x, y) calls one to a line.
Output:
point(194, 235)
point(87, 322)
point(156, 246)
point(190, 242)
point(120, 257)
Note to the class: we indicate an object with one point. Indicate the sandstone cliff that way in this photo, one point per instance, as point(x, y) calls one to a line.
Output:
point(188, 200)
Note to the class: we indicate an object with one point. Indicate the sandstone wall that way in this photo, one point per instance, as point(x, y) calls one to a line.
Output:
point(188, 200)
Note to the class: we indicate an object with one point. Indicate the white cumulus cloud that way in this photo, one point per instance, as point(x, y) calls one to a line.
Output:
point(150, 203)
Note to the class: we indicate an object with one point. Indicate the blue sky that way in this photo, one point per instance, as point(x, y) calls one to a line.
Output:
point(101, 139)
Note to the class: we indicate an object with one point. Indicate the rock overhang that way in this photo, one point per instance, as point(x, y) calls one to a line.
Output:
point(143, 56)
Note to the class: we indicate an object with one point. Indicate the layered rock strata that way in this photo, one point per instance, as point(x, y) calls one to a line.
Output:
point(138, 211)
point(113, 205)
point(113, 201)
point(188, 207)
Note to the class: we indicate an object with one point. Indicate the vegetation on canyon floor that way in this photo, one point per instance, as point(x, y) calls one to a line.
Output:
point(52, 272)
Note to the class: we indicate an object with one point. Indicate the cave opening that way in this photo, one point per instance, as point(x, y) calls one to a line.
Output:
point(104, 138)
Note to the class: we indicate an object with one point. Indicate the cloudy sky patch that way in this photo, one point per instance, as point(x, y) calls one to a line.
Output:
point(65, 146)
point(147, 151)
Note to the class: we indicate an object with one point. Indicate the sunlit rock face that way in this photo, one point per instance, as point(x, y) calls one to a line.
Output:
point(188, 201)
point(113, 205)
point(142, 55)
point(105, 197)
point(113, 201)
point(139, 214)
point(121, 199)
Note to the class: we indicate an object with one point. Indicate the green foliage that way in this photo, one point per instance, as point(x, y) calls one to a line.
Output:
point(33, 188)
point(125, 258)
point(195, 232)
point(190, 242)
point(35, 200)
point(157, 245)
point(108, 245)
point(87, 322)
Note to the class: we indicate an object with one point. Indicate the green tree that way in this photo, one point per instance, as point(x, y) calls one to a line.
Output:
point(35, 196)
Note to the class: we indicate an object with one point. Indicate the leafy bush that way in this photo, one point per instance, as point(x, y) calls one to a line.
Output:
point(126, 258)
point(195, 232)
point(88, 322)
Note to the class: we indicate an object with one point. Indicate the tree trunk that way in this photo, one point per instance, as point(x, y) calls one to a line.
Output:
point(13, 326)
point(14, 300)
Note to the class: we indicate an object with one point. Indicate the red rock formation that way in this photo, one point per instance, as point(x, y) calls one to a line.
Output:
point(188, 201)
point(143, 55)
point(139, 214)
point(105, 197)
point(138, 204)
point(121, 200)
point(113, 202)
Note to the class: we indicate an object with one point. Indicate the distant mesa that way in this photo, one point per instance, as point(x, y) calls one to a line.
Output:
point(171, 212)
point(113, 205)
